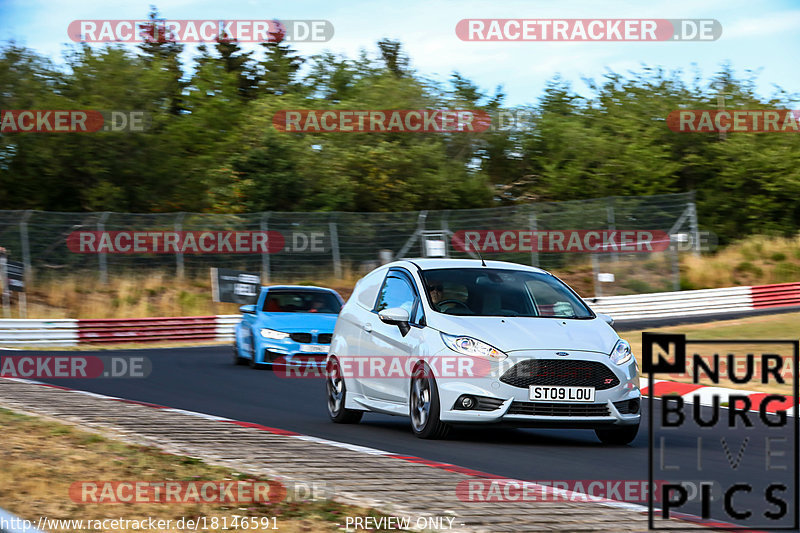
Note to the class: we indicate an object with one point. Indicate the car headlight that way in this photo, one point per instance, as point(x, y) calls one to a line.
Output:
point(622, 352)
point(473, 347)
point(272, 334)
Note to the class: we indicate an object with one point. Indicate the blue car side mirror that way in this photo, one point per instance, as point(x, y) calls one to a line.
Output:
point(248, 309)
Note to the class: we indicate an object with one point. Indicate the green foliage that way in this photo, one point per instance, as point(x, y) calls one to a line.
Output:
point(747, 267)
point(212, 146)
point(786, 272)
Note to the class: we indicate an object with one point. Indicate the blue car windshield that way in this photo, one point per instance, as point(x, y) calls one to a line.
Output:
point(500, 292)
point(299, 301)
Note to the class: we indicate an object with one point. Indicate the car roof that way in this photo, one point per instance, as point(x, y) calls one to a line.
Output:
point(427, 263)
point(298, 287)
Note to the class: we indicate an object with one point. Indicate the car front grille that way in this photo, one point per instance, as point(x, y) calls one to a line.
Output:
point(558, 409)
point(324, 338)
point(561, 373)
point(300, 337)
point(304, 358)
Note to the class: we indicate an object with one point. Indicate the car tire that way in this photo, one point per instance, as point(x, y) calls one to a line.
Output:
point(619, 436)
point(237, 359)
point(336, 391)
point(423, 405)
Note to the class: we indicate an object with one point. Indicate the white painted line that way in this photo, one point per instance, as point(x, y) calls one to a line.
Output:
point(199, 415)
point(95, 395)
point(345, 445)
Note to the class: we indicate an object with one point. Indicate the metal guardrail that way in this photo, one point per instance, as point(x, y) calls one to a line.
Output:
point(69, 332)
point(13, 524)
point(193, 328)
point(226, 325)
point(779, 295)
point(674, 304)
point(46, 332)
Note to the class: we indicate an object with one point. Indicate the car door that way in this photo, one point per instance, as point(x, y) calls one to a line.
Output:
point(386, 348)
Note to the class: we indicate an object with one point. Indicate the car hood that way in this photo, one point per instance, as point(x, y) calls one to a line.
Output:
point(292, 322)
point(510, 334)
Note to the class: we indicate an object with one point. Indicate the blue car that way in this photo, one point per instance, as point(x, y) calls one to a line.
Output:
point(289, 325)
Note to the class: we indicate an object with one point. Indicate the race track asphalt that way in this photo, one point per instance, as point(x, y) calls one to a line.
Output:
point(204, 379)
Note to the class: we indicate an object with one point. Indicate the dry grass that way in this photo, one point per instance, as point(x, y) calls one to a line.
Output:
point(41, 459)
point(756, 260)
point(156, 293)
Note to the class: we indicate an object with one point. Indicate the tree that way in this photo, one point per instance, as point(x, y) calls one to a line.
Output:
point(393, 57)
point(278, 70)
point(161, 51)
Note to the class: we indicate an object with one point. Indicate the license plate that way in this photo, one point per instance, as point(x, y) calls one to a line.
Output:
point(543, 393)
point(313, 348)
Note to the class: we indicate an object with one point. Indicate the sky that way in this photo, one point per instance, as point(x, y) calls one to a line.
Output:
point(760, 37)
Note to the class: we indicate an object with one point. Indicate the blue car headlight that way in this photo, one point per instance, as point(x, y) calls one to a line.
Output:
point(273, 334)
point(621, 353)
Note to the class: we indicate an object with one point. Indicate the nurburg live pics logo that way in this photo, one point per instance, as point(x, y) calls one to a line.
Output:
point(755, 434)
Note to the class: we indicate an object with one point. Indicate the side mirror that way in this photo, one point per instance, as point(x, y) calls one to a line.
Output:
point(606, 318)
point(248, 309)
point(397, 316)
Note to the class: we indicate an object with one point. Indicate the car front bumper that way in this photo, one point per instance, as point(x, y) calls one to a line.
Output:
point(287, 352)
point(618, 405)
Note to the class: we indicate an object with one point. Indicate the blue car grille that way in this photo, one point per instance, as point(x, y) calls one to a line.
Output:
point(306, 338)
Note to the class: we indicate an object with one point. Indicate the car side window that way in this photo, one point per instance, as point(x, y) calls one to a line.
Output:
point(397, 291)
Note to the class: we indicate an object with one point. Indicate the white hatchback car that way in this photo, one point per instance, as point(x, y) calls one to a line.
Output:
point(458, 341)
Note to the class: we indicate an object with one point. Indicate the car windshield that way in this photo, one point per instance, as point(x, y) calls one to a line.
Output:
point(501, 292)
point(299, 301)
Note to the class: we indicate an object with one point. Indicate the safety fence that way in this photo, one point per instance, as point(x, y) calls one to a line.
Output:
point(71, 332)
point(289, 246)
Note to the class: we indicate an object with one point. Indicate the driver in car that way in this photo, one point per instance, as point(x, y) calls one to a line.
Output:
point(436, 291)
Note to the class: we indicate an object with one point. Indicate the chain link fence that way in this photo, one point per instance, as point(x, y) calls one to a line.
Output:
point(326, 246)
